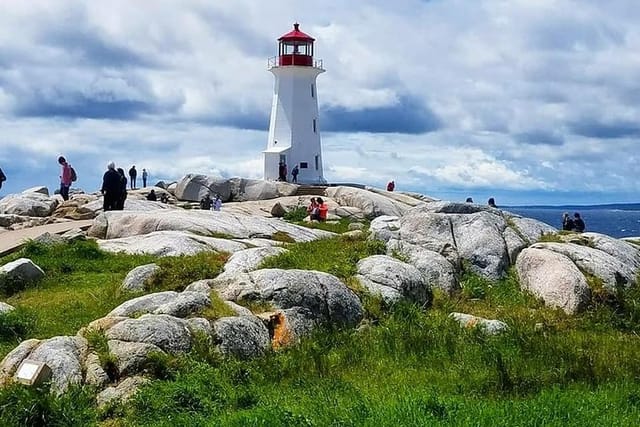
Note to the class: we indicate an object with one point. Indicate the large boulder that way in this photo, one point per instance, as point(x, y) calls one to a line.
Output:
point(121, 393)
point(65, 356)
point(625, 252)
point(370, 203)
point(393, 279)
point(180, 304)
point(111, 225)
point(28, 204)
point(22, 269)
point(554, 278)
point(613, 273)
point(171, 334)
point(135, 279)
point(194, 187)
point(39, 189)
point(131, 357)
point(12, 360)
point(325, 296)
point(169, 243)
point(243, 337)
point(243, 190)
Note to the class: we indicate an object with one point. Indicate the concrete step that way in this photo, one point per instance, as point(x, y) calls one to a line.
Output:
point(311, 190)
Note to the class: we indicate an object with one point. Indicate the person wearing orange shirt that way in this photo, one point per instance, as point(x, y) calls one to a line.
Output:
point(323, 209)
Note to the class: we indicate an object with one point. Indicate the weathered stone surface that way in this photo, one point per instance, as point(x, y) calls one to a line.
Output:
point(94, 373)
point(194, 187)
point(515, 243)
point(122, 392)
point(243, 190)
point(131, 357)
point(385, 228)
point(111, 225)
point(249, 260)
point(143, 304)
point(102, 324)
point(322, 294)
point(242, 337)
point(625, 252)
point(200, 286)
point(479, 241)
point(438, 272)
point(169, 333)
point(200, 325)
point(393, 279)
point(40, 189)
point(136, 278)
point(74, 234)
point(49, 239)
point(76, 208)
point(184, 304)
point(613, 273)
point(398, 196)
point(372, 204)
point(64, 355)
point(169, 243)
point(28, 204)
point(489, 327)
point(278, 210)
point(5, 308)
point(529, 229)
point(238, 309)
point(22, 269)
point(554, 278)
point(355, 226)
point(12, 360)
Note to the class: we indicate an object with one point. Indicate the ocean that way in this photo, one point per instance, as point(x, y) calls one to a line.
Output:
point(614, 220)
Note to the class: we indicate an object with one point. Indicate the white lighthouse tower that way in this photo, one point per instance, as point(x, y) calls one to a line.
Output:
point(294, 128)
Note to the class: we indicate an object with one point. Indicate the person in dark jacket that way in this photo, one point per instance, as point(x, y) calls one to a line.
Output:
point(133, 174)
point(111, 188)
point(578, 222)
point(152, 196)
point(492, 202)
point(3, 178)
point(567, 222)
point(123, 189)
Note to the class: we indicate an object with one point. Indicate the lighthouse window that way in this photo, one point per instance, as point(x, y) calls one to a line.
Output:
point(317, 161)
point(315, 129)
point(304, 165)
point(313, 92)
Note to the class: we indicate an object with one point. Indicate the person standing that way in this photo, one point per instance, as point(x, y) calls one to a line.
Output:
point(294, 174)
point(65, 178)
point(123, 189)
point(133, 174)
point(145, 175)
point(111, 188)
point(3, 178)
point(285, 172)
point(578, 222)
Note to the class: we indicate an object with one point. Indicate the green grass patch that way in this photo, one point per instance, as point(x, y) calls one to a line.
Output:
point(282, 236)
point(334, 255)
point(338, 227)
point(176, 273)
point(16, 325)
point(217, 309)
point(98, 343)
point(296, 215)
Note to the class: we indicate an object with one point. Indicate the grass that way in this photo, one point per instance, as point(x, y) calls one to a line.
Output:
point(408, 367)
point(82, 283)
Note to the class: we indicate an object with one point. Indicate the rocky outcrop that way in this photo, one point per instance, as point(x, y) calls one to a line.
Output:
point(194, 187)
point(122, 392)
point(167, 302)
point(243, 190)
point(371, 204)
point(169, 243)
point(554, 278)
point(243, 337)
point(393, 279)
point(169, 333)
point(28, 203)
point(248, 260)
point(112, 225)
point(323, 295)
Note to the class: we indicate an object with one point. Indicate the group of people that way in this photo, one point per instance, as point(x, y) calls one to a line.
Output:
point(133, 176)
point(283, 172)
point(207, 203)
point(573, 224)
point(317, 209)
point(491, 202)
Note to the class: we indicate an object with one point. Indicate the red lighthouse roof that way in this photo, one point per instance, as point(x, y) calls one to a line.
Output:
point(296, 35)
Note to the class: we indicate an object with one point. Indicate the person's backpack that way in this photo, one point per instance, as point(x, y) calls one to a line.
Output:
point(74, 177)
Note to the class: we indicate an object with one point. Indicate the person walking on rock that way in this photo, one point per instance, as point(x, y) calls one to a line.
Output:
point(133, 174)
point(123, 189)
point(111, 188)
point(294, 174)
point(145, 175)
point(65, 178)
point(578, 222)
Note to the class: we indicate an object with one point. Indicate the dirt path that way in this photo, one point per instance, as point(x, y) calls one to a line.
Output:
point(13, 240)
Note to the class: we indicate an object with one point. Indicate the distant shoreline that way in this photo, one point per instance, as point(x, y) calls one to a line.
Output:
point(616, 206)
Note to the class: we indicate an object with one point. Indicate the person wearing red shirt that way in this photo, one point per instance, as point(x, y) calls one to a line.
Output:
point(323, 209)
point(65, 178)
point(391, 186)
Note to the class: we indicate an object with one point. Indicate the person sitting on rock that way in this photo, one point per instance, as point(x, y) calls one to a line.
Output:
point(492, 202)
point(567, 222)
point(312, 209)
point(323, 209)
point(391, 186)
point(217, 203)
point(469, 200)
point(206, 203)
point(152, 196)
point(164, 198)
point(578, 222)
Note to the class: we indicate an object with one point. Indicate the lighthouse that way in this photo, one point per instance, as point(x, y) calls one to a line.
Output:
point(294, 128)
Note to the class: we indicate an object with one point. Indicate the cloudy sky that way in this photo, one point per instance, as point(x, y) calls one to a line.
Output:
point(528, 101)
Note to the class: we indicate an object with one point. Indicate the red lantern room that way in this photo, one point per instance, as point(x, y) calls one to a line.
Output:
point(295, 48)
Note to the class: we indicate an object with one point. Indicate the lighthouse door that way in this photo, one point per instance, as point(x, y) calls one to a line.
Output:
point(283, 158)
